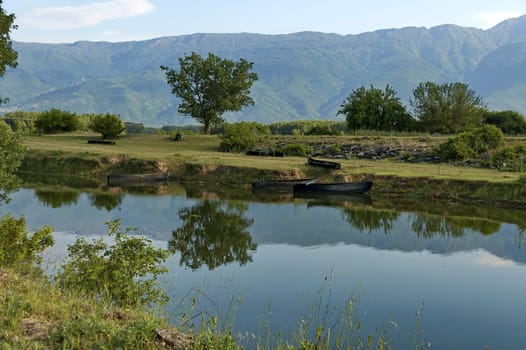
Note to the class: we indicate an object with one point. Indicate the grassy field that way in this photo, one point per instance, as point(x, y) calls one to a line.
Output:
point(203, 150)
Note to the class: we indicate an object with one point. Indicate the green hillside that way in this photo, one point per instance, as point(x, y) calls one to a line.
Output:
point(301, 76)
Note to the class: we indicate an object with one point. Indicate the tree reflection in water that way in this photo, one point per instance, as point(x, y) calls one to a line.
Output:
point(105, 201)
point(365, 219)
point(426, 225)
point(213, 233)
point(422, 224)
point(57, 199)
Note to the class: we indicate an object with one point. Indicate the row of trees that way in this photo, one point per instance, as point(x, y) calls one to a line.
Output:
point(56, 121)
point(446, 108)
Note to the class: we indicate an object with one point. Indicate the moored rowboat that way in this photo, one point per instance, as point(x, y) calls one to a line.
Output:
point(324, 163)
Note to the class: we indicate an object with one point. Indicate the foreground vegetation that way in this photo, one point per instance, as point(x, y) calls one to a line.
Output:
point(102, 299)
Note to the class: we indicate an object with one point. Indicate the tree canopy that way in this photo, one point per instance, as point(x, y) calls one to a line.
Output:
point(510, 122)
point(209, 87)
point(11, 153)
point(108, 125)
point(11, 149)
point(447, 108)
point(8, 56)
point(375, 109)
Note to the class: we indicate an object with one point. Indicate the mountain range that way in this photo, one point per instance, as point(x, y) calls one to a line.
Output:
point(304, 75)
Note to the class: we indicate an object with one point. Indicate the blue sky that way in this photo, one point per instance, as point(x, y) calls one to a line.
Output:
point(54, 21)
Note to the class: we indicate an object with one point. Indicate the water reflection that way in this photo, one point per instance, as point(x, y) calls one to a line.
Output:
point(105, 201)
point(370, 220)
point(57, 198)
point(426, 225)
point(441, 228)
point(465, 262)
point(213, 233)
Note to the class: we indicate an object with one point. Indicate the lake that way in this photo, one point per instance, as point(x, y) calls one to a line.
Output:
point(447, 275)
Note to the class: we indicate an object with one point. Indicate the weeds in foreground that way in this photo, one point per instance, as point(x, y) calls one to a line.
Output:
point(36, 314)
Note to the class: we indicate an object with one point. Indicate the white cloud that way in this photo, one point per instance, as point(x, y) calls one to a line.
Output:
point(490, 19)
point(494, 261)
point(72, 17)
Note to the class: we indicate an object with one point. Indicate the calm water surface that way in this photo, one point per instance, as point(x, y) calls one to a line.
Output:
point(272, 260)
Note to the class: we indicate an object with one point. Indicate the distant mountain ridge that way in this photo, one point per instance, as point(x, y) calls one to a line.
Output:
point(304, 75)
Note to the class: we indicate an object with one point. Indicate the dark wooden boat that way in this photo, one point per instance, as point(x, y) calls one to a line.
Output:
point(334, 187)
point(139, 179)
point(324, 163)
point(280, 184)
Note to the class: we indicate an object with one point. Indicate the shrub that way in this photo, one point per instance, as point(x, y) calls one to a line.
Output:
point(321, 129)
point(455, 148)
point(486, 138)
point(510, 158)
point(19, 249)
point(308, 127)
point(57, 121)
point(109, 125)
point(241, 136)
point(124, 273)
point(297, 149)
point(21, 121)
point(471, 144)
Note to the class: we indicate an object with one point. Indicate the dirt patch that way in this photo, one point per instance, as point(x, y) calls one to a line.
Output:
point(34, 329)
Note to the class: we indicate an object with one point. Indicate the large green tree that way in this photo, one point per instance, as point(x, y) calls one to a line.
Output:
point(8, 56)
point(375, 109)
point(11, 149)
point(447, 108)
point(209, 87)
point(11, 153)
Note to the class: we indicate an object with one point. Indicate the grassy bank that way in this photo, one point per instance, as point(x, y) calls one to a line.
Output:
point(36, 315)
point(196, 157)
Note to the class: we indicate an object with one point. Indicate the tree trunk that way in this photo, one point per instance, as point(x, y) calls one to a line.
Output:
point(206, 129)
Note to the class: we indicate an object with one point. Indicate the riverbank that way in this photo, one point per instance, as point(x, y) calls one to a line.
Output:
point(197, 158)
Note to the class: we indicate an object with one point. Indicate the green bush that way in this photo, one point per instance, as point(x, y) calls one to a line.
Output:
point(124, 273)
point(56, 121)
point(455, 148)
point(22, 122)
point(510, 158)
point(321, 129)
point(109, 125)
point(471, 144)
point(18, 248)
point(486, 138)
point(296, 149)
point(308, 127)
point(239, 137)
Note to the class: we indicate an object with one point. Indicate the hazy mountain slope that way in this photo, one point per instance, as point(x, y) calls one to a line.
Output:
point(301, 76)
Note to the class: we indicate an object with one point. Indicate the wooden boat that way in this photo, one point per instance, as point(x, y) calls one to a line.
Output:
point(324, 163)
point(139, 179)
point(335, 187)
point(280, 184)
